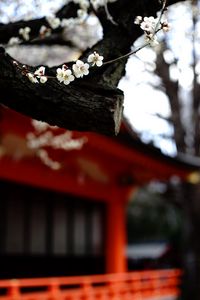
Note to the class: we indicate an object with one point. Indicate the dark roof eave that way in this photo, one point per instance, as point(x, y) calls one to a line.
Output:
point(182, 160)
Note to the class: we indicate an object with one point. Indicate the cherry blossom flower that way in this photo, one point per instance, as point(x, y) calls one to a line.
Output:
point(95, 59)
point(80, 68)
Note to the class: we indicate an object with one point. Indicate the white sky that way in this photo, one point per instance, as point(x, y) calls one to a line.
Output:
point(142, 101)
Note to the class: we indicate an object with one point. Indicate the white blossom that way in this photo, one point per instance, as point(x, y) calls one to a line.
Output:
point(40, 74)
point(138, 20)
point(43, 79)
point(60, 74)
point(32, 77)
point(68, 22)
point(82, 14)
point(44, 156)
point(39, 126)
point(68, 77)
point(24, 32)
point(165, 26)
point(14, 41)
point(44, 31)
point(53, 21)
point(95, 59)
point(80, 68)
point(149, 24)
point(64, 75)
point(40, 71)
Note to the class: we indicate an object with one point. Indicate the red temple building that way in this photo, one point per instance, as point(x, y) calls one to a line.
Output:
point(71, 221)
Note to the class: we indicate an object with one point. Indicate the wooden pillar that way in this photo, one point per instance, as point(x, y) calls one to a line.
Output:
point(116, 261)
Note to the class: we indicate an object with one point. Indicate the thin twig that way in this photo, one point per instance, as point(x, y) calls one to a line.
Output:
point(127, 54)
point(109, 17)
point(161, 14)
point(145, 44)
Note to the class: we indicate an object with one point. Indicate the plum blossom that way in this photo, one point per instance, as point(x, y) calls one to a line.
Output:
point(44, 31)
point(60, 74)
point(53, 21)
point(80, 68)
point(95, 59)
point(39, 73)
point(64, 75)
point(82, 14)
point(138, 20)
point(14, 41)
point(149, 24)
point(32, 78)
point(165, 26)
point(70, 23)
point(25, 32)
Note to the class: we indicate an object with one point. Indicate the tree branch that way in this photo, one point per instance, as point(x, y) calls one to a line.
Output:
point(12, 29)
point(89, 104)
point(80, 106)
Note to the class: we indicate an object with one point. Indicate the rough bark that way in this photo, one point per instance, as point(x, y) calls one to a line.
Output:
point(79, 107)
point(90, 104)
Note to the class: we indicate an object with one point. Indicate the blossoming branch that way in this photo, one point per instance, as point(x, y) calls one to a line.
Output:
point(149, 25)
point(64, 74)
point(53, 22)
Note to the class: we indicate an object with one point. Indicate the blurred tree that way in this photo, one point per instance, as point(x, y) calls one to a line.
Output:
point(153, 219)
point(180, 80)
point(151, 216)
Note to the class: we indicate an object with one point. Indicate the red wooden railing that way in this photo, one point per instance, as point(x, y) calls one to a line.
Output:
point(159, 284)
